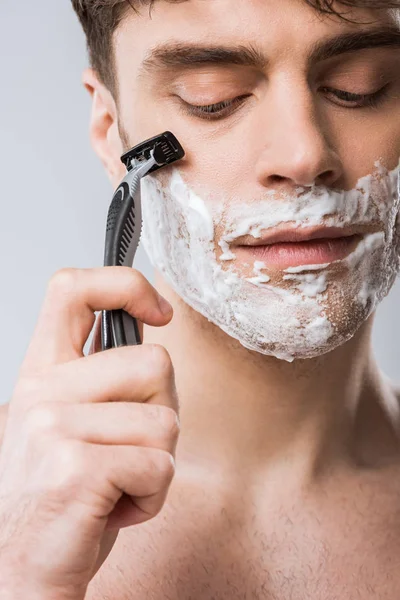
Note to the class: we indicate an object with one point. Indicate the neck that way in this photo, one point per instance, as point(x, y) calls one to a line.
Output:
point(244, 412)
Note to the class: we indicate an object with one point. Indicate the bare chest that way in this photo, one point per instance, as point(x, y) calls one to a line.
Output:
point(207, 547)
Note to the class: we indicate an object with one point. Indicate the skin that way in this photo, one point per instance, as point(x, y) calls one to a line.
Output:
point(287, 474)
point(320, 429)
point(336, 151)
point(68, 470)
point(313, 443)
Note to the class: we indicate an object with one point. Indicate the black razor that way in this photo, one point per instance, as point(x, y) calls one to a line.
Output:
point(124, 226)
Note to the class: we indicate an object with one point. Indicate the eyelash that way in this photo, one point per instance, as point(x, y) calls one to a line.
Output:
point(213, 112)
point(367, 100)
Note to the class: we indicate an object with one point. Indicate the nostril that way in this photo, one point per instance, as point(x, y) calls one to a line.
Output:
point(276, 178)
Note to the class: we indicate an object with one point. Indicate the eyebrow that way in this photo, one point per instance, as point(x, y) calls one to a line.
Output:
point(181, 55)
point(187, 55)
point(388, 36)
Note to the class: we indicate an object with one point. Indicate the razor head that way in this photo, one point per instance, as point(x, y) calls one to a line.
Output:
point(164, 148)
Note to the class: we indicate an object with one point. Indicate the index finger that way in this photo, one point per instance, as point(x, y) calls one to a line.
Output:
point(72, 297)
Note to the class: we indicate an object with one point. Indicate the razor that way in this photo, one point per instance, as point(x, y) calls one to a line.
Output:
point(124, 226)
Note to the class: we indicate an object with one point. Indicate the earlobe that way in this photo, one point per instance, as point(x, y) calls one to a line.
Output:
point(103, 129)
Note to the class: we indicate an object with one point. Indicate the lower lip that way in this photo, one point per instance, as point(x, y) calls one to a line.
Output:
point(294, 254)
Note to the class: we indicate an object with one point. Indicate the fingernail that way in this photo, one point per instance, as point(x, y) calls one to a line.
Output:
point(164, 305)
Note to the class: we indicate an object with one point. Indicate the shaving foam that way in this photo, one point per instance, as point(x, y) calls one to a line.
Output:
point(299, 312)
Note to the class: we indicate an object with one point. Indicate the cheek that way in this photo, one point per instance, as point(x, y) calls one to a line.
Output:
point(217, 157)
point(364, 150)
point(361, 142)
point(388, 142)
point(217, 172)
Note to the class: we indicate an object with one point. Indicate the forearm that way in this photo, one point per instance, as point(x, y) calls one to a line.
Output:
point(13, 582)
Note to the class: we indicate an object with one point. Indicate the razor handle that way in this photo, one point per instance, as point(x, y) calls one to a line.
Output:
point(124, 224)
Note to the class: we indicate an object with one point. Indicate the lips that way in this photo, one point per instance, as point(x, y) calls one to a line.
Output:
point(299, 235)
point(292, 247)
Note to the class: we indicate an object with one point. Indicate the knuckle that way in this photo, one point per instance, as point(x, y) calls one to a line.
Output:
point(168, 419)
point(163, 466)
point(71, 462)
point(43, 419)
point(63, 281)
point(161, 360)
point(136, 284)
point(29, 387)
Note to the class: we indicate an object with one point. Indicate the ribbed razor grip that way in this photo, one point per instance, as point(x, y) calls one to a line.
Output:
point(123, 231)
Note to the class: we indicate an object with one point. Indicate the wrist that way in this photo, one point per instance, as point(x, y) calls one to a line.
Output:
point(14, 591)
point(18, 581)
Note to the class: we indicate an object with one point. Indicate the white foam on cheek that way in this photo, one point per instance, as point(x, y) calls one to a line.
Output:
point(309, 284)
point(315, 310)
point(301, 268)
point(259, 278)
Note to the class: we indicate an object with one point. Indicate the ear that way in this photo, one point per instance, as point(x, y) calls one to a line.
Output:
point(104, 133)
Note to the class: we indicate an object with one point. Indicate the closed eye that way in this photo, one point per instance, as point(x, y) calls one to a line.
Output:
point(359, 100)
point(225, 108)
point(215, 111)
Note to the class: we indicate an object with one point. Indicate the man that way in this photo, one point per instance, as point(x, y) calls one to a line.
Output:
point(287, 481)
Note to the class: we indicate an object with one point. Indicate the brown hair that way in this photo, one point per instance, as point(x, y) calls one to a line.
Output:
point(101, 18)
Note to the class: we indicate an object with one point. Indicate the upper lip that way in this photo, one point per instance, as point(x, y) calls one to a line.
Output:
point(299, 235)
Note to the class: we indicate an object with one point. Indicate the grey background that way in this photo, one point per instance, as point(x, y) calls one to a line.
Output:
point(54, 192)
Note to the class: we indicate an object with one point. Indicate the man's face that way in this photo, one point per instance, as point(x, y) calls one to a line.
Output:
point(257, 104)
point(288, 124)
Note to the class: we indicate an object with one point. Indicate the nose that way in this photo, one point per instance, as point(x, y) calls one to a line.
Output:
point(296, 151)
